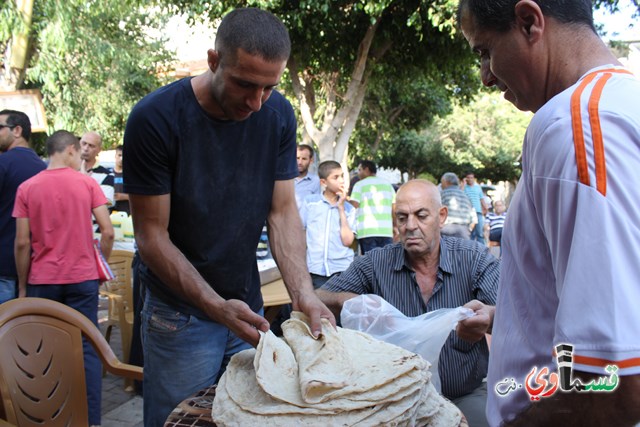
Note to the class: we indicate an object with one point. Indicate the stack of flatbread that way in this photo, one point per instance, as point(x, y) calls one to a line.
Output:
point(342, 378)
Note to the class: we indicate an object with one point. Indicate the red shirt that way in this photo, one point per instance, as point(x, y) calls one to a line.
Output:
point(59, 204)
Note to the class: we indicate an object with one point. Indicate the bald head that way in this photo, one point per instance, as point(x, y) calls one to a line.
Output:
point(90, 144)
point(420, 188)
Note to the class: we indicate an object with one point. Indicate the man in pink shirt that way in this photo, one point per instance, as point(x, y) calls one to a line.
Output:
point(54, 242)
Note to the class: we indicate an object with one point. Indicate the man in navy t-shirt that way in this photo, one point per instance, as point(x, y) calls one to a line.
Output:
point(18, 163)
point(206, 161)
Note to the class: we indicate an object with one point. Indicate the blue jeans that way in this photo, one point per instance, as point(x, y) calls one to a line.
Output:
point(368, 243)
point(182, 354)
point(83, 297)
point(478, 231)
point(8, 289)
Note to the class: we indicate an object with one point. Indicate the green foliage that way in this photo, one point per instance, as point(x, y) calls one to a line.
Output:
point(93, 61)
point(485, 136)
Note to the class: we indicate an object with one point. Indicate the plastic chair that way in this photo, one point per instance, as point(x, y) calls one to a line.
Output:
point(42, 379)
point(120, 294)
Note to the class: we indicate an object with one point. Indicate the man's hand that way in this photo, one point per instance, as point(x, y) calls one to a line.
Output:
point(474, 328)
point(310, 304)
point(242, 321)
point(83, 167)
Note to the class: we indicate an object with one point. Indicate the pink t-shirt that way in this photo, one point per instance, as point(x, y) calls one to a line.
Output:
point(59, 204)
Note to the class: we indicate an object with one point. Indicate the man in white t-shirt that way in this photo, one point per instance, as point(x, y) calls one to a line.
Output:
point(571, 245)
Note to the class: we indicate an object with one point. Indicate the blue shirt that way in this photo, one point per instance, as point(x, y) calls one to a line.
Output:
point(326, 254)
point(306, 186)
point(475, 194)
point(466, 271)
point(16, 166)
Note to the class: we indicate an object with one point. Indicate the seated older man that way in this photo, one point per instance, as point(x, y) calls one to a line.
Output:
point(426, 272)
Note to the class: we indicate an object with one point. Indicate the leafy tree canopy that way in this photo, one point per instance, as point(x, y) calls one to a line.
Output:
point(485, 136)
point(92, 60)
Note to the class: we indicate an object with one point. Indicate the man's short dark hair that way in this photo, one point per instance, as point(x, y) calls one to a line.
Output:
point(368, 164)
point(60, 140)
point(306, 147)
point(499, 15)
point(325, 168)
point(18, 118)
point(255, 31)
point(120, 147)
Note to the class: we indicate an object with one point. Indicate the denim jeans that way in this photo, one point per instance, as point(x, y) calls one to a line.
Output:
point(477, 233)
point(7, 288)
point(182, 354)
point(368, 243)
point(83, 297)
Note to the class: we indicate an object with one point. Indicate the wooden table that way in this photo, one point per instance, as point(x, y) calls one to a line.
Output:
point(274, 293)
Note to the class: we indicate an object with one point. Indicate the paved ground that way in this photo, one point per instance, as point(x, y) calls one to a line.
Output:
point(120, 408)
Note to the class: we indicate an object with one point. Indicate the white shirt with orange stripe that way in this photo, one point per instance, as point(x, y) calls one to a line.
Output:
point(571, 244)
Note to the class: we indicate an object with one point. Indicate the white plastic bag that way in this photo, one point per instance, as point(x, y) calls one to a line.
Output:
point(424, 335)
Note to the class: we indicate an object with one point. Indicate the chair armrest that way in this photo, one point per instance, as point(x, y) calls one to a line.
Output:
point(124, 369)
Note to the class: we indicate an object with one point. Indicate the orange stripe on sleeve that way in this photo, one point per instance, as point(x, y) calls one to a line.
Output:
point(578, 134)
point(594, 119)
point(594, 361)
point(596, 130)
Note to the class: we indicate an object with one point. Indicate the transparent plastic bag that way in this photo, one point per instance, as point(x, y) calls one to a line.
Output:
point(424, 335)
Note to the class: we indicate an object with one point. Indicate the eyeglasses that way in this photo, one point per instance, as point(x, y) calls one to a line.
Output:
point(7, 126)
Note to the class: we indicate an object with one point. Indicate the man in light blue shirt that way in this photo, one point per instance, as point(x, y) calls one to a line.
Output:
point(330, 222)
point(306, 183)
point(473, 190)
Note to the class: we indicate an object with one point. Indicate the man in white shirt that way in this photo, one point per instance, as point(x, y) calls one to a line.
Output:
point(571, 245)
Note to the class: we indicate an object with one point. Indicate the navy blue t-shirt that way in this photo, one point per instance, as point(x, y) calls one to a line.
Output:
point(16, 166)
point(220, 175)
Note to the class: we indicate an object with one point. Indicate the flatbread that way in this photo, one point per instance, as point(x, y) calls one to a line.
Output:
point(343, 378)
point(344, 362)
point(276, 372)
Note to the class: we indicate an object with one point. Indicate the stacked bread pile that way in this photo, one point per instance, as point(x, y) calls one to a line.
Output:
point(343, 378)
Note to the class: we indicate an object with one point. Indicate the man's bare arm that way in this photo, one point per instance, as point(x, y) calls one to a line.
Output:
point(101, 213)
point(151, 221)
point(334, 300)
point(22, 253)
point(288, 245)
point(620, 408)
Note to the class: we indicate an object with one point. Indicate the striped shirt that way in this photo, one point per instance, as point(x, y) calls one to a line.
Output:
point(496, 221)
point(458, 206)
point(467, 271)
point(475, 194)
point(376, 197)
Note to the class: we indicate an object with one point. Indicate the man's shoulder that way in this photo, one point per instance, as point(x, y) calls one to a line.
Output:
point(162, 101)
point(386, 255)
point(458, 245)
point(101, 169)
point(453, 191)
point(374, 181)
point(313, 199)
point(17, 155)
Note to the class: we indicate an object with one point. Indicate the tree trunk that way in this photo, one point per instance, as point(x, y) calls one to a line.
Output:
point(17, 50)
point(331, 135)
